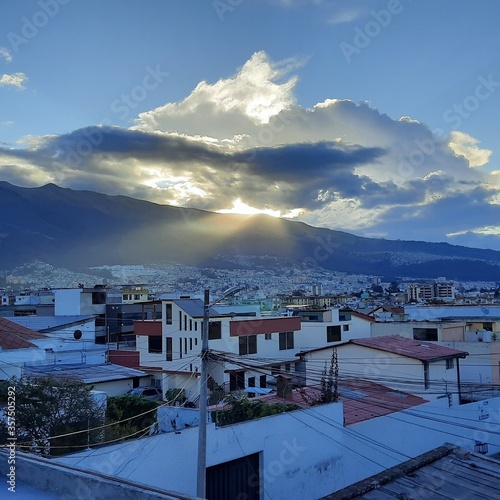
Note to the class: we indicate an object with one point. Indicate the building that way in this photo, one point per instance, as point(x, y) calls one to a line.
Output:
point(413, 366)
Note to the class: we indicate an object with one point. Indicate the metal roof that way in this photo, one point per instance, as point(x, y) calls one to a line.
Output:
point(89, 374)
point(446, 473)
point(417, 349)
point(194, 308)
point(45, 324)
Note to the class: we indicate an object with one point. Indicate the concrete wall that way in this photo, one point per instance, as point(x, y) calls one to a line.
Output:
point(72, 484)
point(305, 454)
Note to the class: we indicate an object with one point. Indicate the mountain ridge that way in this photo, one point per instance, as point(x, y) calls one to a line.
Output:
point(83, 228)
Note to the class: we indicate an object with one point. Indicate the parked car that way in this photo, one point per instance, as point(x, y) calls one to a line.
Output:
point(151, 393)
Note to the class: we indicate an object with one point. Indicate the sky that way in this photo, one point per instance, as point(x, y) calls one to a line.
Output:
point(379, 118)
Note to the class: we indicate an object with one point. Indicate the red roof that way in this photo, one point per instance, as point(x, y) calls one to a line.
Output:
point(362, 399)
point(14, 336)
point(417, 349)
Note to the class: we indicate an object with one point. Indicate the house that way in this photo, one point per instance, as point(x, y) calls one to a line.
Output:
point(413, 366)
point(169, 348)
point(467, 332)
point(307, 453)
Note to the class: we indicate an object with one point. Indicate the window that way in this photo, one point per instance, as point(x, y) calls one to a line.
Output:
point(248, 345)
point(345, 328)
point(333, 333)
point(180, 348)
point(345, 316)
point(169, 314)
point(262, 381)
point(214, 330)
point(180, 320)
point(190, 325)
point(185, 322)
point(137, 296)
point(237, 381)
point(251, 383)
point(450, 364)
point(268, 336)
point(190, 344)
point(285, 341)
point(429, 334)
point(169, 349)
point(287, 367)
point(154, 345)
point(196, 326)
point(185, 345)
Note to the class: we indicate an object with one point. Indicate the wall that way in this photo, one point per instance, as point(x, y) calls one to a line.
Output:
point(392, 370)
point(67, 302)
point(305, 454)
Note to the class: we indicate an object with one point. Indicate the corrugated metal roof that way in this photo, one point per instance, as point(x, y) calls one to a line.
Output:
point(417, 349)
point(194, 308)
point(15, 336)
point(47, 323)
point(90, 374)
point(445, 473)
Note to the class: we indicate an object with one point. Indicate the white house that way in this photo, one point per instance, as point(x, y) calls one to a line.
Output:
point(425, 368)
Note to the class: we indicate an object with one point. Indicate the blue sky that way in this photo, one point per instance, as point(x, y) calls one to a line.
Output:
point(374, 117)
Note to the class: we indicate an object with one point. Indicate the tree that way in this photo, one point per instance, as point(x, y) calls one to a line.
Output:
point(46, 407)
point(242, 409)
point(330, 380)
point(134, 414)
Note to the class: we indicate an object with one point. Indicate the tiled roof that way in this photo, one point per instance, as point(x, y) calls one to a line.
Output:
point(14, 336)
point(362, 400)
point(417, 349)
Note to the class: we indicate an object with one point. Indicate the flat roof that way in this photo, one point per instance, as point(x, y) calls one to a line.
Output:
point(89, 374)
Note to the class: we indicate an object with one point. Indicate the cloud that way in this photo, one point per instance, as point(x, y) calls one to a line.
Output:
point(467, 146)
point(245, 141)
point(345, 16)
point(14, 80)
point(5, 54)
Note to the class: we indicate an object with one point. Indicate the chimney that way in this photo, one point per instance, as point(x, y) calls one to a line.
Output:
point(284, 386)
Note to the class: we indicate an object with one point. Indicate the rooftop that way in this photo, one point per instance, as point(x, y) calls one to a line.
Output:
point(448, 472)
point(48, 323)
point(362, 400)
point(15, 336)
point(416, 349)
point(89, 374)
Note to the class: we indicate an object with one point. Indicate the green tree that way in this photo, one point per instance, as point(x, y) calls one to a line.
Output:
point(241, 409)
point(134, 414)
point(49, 407)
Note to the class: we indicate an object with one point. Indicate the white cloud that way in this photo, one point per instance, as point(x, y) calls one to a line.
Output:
point(464, 145)
point(345, 16)
point(5, 54)
point(14, 80)
point(236, 105)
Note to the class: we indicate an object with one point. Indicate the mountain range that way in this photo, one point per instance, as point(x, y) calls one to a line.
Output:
point(78, 229)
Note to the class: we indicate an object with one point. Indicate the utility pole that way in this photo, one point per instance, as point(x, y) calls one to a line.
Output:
point(202, 436)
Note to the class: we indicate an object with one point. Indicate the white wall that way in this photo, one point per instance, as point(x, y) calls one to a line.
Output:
point(305, 454)
point(67, 302)
point(392, 370)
